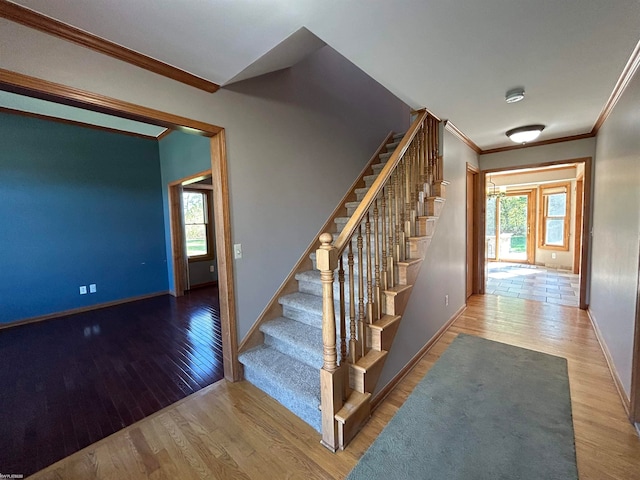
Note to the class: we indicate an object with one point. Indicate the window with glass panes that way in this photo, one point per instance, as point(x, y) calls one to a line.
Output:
point(554, 231)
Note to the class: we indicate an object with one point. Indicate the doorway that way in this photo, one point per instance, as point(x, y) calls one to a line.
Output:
point(473, 193)
point(45, 90)
point(558, 205)
point(192, 233)
point(510, 225)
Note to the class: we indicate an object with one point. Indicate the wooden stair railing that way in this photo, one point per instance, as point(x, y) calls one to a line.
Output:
point(384, 240)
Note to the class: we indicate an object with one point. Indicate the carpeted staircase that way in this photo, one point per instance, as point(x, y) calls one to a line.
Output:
point(287, 364)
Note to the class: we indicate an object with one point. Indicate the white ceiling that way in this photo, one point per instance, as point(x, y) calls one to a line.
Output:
point(455, 57)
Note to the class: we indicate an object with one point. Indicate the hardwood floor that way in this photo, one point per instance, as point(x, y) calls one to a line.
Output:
point(234, 431)
point(71, 381)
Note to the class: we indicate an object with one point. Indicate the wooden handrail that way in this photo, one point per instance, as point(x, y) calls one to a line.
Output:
point(356, 219)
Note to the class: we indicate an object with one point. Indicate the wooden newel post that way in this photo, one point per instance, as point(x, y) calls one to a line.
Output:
point(331, 388)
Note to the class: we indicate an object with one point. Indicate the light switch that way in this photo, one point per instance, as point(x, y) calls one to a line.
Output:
point(237, 251)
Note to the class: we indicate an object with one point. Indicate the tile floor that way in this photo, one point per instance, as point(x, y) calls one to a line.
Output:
point(532, 282)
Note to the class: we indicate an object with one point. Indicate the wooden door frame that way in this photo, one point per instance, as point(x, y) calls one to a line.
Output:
point(531, 221)
point(474, 263)
point(176, 227)
point(586, 223)
point(634, 397)
point(34, 87)
point(577, 230)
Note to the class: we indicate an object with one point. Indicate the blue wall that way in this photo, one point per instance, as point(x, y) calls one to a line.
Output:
point(77, 206)
point(181, 155)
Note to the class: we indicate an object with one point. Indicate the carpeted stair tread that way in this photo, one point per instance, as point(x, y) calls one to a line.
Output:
point(306, 308)
point(293, 383)
point(296, 339)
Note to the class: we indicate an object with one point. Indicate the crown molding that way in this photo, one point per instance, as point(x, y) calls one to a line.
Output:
point(35, 87)
point(29, 18)
point(458, 133)
point(627, 74)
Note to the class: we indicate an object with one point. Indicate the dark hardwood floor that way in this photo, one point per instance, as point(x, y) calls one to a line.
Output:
point(67, 382)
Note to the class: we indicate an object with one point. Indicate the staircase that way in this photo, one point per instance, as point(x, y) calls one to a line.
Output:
point(288, 355)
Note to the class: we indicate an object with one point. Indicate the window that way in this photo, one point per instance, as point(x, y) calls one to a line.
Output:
point(196, 224)
point(554, 233)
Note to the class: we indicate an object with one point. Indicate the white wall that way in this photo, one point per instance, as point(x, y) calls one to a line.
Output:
point(288, 133)
point(616, 229)
point(443, 271)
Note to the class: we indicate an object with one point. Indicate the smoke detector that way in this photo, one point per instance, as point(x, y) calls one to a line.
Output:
point(514, 95)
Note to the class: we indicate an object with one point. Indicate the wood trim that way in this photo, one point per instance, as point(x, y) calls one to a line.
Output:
point(481, 210)
point(274, 309)
point(75, 123)
point(166, 132)
point(635, 365)
point(577, 229)
point(48, 25)
point(55, 92)
point(474, 262)
point(73, 311)
point(626, 75)
point(586, 233)
point(207, 191)
point(538, 144)
point(458, 133)
point(179, 272)
point(388, 388)
point(612, 368)
point(226, 281)
point(195, 177)
point(566, 245)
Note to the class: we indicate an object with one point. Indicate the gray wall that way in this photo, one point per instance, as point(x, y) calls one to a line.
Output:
point(544, 153)
point(443, 271)
point(616, 229)
point(296, 139)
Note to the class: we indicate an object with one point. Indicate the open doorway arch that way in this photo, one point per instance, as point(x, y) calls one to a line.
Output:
point(45, 90)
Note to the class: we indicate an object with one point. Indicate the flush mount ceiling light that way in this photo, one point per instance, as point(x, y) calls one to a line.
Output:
point(514, 95)
point(525, 134)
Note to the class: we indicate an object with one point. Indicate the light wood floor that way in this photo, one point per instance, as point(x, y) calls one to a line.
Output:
point(234, 431)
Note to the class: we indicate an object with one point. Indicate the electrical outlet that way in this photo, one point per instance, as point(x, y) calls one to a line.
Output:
point(446, 300)
point(83, 290)
point(553, 255)
point(212, 268)
point(237, 251)
point(93, 288)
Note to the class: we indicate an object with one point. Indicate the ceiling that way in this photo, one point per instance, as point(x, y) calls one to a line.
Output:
point(455, 57)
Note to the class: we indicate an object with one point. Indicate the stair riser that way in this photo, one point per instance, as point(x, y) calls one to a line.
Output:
point(434, 207)
point(426, 226)
point(307, 412)
point(366, 381)
point(395, 304)
point(383, 339)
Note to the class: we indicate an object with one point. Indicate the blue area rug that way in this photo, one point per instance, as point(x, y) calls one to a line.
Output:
point(485, 410)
